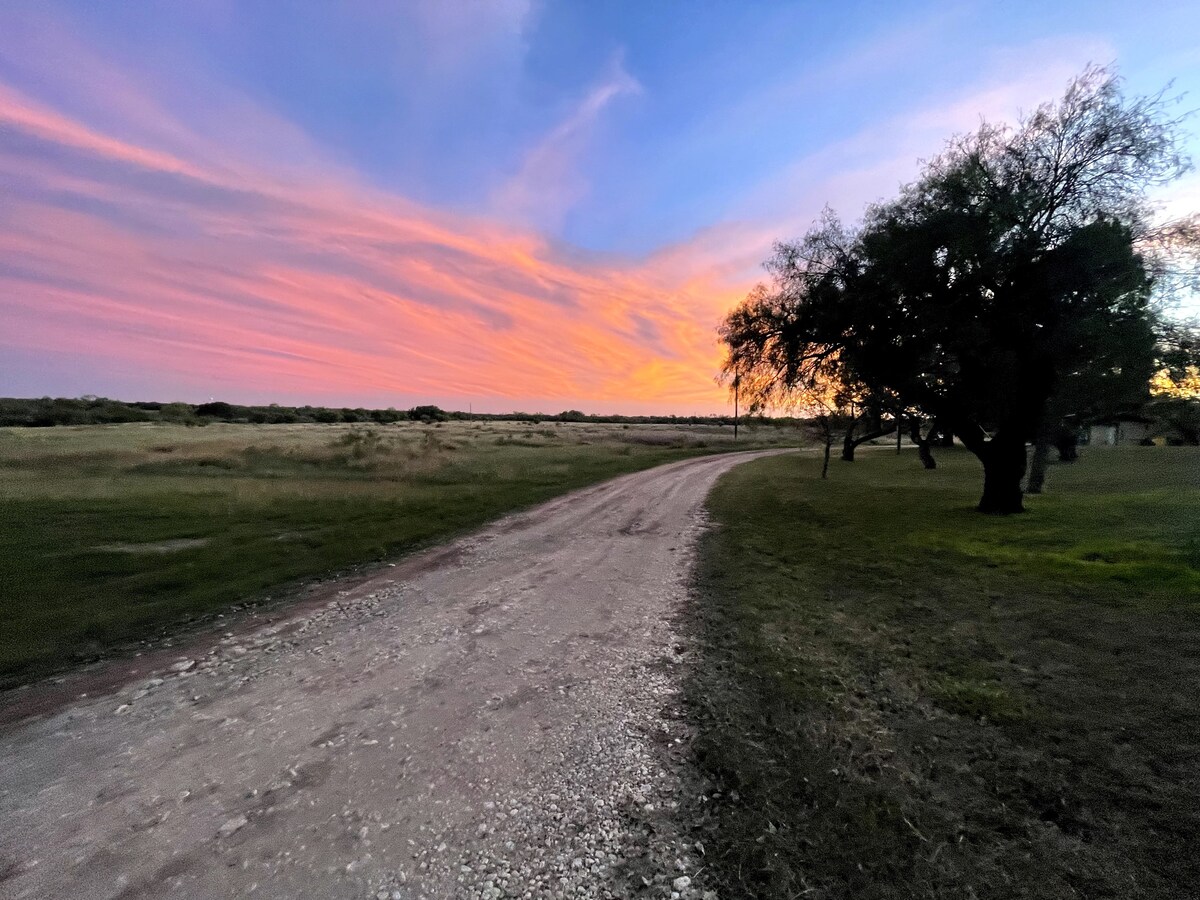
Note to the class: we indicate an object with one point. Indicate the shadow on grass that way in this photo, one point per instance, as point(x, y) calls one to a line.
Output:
point(900, 698)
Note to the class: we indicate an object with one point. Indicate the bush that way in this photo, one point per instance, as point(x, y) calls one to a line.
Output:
point(428, 414)
point(217, 409)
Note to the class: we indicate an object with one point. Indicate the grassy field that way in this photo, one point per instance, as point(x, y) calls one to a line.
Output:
point(902, 698)
point(108, 533)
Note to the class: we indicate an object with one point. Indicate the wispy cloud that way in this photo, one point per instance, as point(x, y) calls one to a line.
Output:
point(237, 280)
point(458, 34)
point(215, 247)
point(550, 181)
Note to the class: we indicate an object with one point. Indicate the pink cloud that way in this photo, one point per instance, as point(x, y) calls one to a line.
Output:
point(24, 115)
point(231, 278)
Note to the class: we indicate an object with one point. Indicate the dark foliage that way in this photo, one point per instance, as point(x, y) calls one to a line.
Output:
point(46, 412)
point(1004, 292)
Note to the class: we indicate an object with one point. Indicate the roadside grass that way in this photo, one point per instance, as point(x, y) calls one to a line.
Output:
point(898, 697)
point(109, 534)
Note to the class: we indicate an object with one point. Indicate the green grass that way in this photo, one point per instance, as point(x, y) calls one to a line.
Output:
point(109, 534)
point(900, 697)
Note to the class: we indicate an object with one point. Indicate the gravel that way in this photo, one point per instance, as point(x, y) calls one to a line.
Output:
point(599, 822)
point(495, 718)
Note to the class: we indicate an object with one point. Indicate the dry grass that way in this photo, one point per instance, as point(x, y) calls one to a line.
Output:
point(234, 512)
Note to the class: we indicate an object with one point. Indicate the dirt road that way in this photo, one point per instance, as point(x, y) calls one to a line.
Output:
point(493, 720)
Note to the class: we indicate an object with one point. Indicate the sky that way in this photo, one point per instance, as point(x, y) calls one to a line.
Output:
point(499, 205)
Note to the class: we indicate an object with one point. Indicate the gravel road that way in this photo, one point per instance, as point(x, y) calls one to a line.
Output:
point(491, 719)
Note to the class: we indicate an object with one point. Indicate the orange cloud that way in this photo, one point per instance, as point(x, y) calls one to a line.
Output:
point(258, 287)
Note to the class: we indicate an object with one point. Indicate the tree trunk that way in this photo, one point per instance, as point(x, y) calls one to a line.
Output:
point(1067, 444)
point(828, 426)
point(1004, 464)
point(850, 443)
point(926, 455)
point(941, 436)
point(923, 444)
point(1191, 434)
point(1187, 430)
point(1037, 466)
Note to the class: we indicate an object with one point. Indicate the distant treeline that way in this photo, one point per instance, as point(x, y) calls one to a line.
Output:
point(49, 411)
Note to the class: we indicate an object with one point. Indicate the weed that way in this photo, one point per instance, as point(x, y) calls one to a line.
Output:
point(978, 700)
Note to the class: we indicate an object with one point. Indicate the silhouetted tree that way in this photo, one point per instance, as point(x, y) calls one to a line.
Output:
point(217, 409)
point(773, 370)
point(427, 414)
point(978, 294)
point(874, 427)
point(1175, 386)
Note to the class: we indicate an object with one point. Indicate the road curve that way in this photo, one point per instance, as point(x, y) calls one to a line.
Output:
point(487, 722)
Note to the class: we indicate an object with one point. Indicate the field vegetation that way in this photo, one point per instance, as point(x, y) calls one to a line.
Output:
point(47, 412)
point(899, 698)
point(109, 534)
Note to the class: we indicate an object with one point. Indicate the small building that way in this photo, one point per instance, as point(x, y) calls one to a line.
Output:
point(1120, 430)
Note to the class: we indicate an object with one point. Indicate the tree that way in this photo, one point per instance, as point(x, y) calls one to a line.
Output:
point(427, 414)
point(217, 409)
point(1119, 357)
point(925, 438)
point(771, 370)
point(874, 425)
point(1177, 365)
point(1007, 272)
point(1175, 385)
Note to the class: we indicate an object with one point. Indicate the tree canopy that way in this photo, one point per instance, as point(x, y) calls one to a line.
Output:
point(1008, 286)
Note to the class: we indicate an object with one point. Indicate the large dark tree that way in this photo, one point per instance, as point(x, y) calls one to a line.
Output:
point(1007, 276)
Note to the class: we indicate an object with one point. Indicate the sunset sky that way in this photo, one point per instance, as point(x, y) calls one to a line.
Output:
point(504, 205)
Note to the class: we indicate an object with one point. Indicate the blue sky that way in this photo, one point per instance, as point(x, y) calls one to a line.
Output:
point(575, 190)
